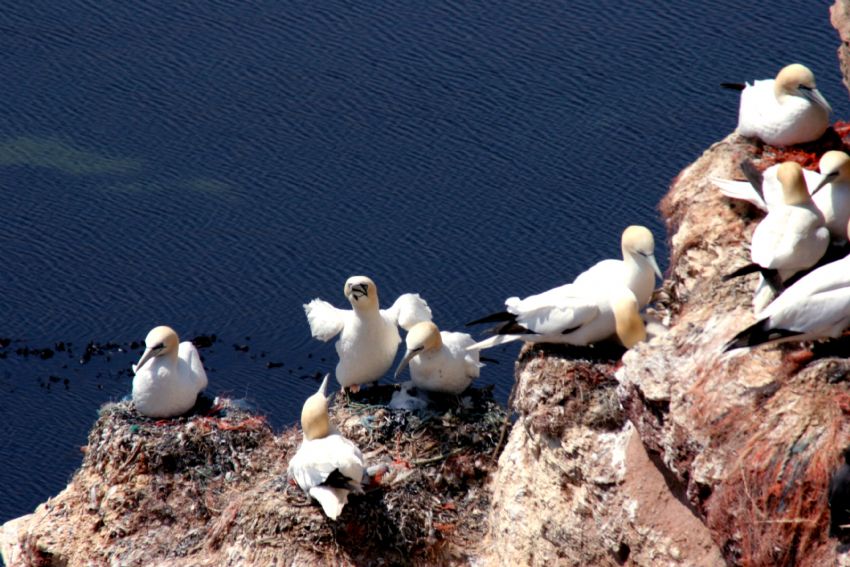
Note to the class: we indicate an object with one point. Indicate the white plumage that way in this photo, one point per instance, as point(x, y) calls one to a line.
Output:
point(570, 314)
point(169, 375)
point(327, 466)
point(816, 306)
point(786, 110)
point(637, 269)
point(368, 336)
point(830, 191)
point(439, 361)
point(580, 313)
point(792, 237)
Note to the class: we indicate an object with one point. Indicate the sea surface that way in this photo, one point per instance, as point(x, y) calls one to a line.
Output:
point(214, 165)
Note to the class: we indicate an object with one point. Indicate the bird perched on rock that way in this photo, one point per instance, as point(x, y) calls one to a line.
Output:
point(327, 466)
point(792, 237)
point(574, 315)
point(439, 361)
point(368, 335)
point(169, 375)
point(783, 111)
point(637, 269)
point(830, 190)
point(839, 499)
point(816, 306)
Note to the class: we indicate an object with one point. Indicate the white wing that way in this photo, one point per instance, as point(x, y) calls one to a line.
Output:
point(744, 191)
point(458, 345)
point(326, 321)
point(564, 313)
point(822, 314)
point(317, 459)
point(186, 351)
point(516, 306)
point(824, 286)
point(408, 310)
point(789, 238)
point(602, 273)
point(741, 190)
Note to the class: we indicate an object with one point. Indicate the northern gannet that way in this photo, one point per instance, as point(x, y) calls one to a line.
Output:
point(327, 466)
point(169, 375)
point(830, 190)
point(637, 269)
point(783, 111)
point(439, 361)
point(792, 237)
point(574, 315)
point(816, 306)
point(368, 336)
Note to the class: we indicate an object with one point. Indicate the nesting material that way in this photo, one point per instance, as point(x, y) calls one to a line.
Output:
point(211, 489)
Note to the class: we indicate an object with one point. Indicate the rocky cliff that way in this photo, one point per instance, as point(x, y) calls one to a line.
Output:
point(671, 454)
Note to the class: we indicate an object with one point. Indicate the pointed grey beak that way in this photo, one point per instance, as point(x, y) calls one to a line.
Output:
point(405, 361)
point(323, 389)
point(655, 267)
point(825, 180)
point(817, 98)
point(147, 355)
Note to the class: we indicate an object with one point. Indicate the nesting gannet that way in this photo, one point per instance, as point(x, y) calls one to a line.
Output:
point(830, 190)
point(327, 466)
point(569, 314)
point(792, 237)
point(169, 375)
point(783, 111)
point(368, 335)
point(637, 269)
point(815, 306)
point(439, 361)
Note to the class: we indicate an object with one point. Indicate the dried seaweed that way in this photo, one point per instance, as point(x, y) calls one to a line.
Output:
point(211, 485)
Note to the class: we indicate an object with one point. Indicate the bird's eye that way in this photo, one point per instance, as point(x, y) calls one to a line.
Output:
point(804, 87)
point(160, 346)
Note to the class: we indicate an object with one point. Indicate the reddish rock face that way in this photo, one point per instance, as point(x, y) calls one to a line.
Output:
point(750, 436)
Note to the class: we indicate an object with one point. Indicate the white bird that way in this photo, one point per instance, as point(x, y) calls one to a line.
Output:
point(574, 315)
point(169, 375)
point(783, 111)
point(439, 361)
point(816, 306)
point(327, 466)
point(791, 238)
point(368, 336)
point(637, 269)
point(830, 190)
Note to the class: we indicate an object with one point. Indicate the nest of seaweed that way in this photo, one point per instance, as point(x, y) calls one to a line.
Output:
point(212, 485)
point(427, 502)
point(217, 437)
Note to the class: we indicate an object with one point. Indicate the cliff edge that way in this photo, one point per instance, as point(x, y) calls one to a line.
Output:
point(673, 453)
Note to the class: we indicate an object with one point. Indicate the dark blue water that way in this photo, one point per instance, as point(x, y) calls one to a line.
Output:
point(214, 165)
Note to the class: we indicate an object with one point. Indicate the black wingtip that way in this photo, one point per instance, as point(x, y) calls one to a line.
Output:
point(742, 271)
point(754, 176)
point(734, 86)
point(756, 334)
point(500, 317)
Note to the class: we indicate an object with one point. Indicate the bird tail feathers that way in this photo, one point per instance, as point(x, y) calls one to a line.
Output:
point(500, 317)
point(333, 500)
point(493, 341)
point(756, 334)
point(741, 190)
